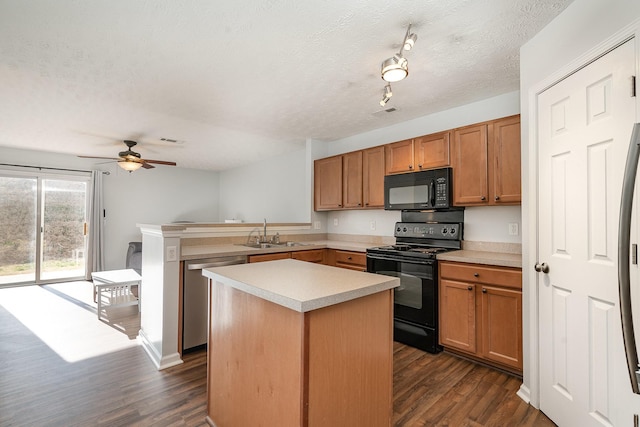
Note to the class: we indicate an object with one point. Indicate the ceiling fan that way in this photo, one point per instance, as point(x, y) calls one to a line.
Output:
point(130, 161)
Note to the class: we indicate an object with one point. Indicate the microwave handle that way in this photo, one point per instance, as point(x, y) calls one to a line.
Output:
point(432, 194)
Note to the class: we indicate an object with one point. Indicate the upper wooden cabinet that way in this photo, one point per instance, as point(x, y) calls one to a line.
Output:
point(399, 157)
point(425, 152)
point(506, 185)
point(486, 163)
point(373, 177)
point(431, 151)
point(327, 192)
point(350, 181)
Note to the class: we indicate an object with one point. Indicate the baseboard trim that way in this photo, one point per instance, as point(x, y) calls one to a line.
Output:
point(160, 362)
point(524, 393)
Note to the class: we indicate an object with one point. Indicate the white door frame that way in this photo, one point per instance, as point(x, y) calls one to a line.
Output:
point(530, 389)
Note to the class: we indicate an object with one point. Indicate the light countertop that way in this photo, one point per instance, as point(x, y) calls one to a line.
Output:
point(299, 285)
point(208, 251)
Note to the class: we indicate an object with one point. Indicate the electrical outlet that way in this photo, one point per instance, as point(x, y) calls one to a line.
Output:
point(317, 225)
point(335, 222)
point(372, 225)
point(513, 229)
point(172, 253)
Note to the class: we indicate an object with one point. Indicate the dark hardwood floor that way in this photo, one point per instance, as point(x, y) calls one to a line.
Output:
point(39, 387)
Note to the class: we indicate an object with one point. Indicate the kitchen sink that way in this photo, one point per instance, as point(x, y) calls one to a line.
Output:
point(272, 245)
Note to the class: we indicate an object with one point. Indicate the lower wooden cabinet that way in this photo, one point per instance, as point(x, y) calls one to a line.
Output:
point(313, 255)
point(347, 259)
point(269, 257)
point(481, 313)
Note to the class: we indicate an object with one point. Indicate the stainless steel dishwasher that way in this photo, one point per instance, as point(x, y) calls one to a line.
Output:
point(195, 308)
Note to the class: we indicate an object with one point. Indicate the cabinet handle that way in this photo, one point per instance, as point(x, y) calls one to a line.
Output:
point(483, 198)
point(475, 275)
point(497, 198)
point(339, 206)
point(484, 291)
point(359, 204)
point(420, 166)
point(410, 166)
point(349, 258)
point(366, 204)
point(469, 288)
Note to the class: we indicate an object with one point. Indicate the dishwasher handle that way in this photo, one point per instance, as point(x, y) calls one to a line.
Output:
point(218, 263)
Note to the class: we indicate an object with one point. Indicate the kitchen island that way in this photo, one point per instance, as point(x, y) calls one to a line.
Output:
point(299, 344)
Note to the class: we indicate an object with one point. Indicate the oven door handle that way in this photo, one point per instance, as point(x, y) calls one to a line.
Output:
point(399, 258)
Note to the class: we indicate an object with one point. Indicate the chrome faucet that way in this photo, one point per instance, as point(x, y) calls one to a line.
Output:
point(264, 237)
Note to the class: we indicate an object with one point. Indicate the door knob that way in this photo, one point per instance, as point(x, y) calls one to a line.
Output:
point(542, 268)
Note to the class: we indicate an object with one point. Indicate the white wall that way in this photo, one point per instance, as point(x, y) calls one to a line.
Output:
point(161, 195)
point(276, 189)
point(487, 224)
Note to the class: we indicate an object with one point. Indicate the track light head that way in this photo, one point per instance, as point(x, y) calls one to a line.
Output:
point(395, 68)
point(386, 95)
point(410, 41)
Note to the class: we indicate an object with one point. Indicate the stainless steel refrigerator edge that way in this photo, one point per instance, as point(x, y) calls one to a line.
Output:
point(195, 302)
point(624, 254)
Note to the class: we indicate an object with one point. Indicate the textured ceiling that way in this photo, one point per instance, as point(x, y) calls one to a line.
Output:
point(242, 80)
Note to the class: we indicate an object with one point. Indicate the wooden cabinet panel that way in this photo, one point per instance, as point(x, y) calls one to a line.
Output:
point(269, 257)
point(502, 325)
point(373, 177)
point(481, 312)
point(351, 260)
point(509, 277)
point(352, 180)
point(470, 171)
point(328, 183)
point(506, 164)
point(431, 151)
point(458, 315)
point(399, 157)
point(314, 255)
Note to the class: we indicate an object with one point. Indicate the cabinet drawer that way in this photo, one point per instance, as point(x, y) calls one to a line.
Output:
point(314, 255)
point(269, 257)
point(352, 260)
point(502, 276)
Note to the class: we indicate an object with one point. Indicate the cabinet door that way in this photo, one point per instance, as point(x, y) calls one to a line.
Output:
point(432, 151)
point(373, 177)
point(314, 255)
point(352, 180)
point(328, 183)
point(399, 157)
point(458, 315)
point(501, 314)
point(269, 257)
point(470, 173)
point(505, 168)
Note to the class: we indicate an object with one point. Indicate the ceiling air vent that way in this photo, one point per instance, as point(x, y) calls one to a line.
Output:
point(386, 111)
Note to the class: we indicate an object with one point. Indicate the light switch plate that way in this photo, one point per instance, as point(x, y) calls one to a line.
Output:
point(317, 225)
point(172, 253)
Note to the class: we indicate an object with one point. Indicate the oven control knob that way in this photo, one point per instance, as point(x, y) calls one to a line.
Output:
point(444, 230)
point(452, 231)
point(404, 229)
point(398, 229)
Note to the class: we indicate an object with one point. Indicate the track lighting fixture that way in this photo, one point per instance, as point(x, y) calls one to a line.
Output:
point(386, 95)
point(396, 68)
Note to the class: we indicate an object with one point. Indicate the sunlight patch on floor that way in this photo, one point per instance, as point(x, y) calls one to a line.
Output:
point(64, 318)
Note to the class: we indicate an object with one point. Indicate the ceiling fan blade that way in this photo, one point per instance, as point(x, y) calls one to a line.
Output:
point(160, 162)
point(147, 165)
point(95, 157)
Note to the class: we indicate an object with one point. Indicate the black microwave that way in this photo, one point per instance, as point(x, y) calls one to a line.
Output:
point(430, 189)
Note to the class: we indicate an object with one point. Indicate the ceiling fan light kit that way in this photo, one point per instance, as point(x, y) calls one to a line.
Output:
point(131, 161)
point(396, 68)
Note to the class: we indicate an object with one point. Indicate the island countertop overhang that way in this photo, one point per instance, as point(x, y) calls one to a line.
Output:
point(300, 286)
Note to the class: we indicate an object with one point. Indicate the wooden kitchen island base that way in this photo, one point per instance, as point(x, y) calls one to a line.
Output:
point(271, 365)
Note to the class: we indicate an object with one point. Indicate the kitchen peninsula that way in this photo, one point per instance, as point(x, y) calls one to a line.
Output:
point(297, 343)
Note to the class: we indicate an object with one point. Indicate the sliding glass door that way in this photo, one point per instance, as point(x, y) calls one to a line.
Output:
point(42, 228)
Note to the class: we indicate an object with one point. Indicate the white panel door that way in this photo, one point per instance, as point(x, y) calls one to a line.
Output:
point(584, 127)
